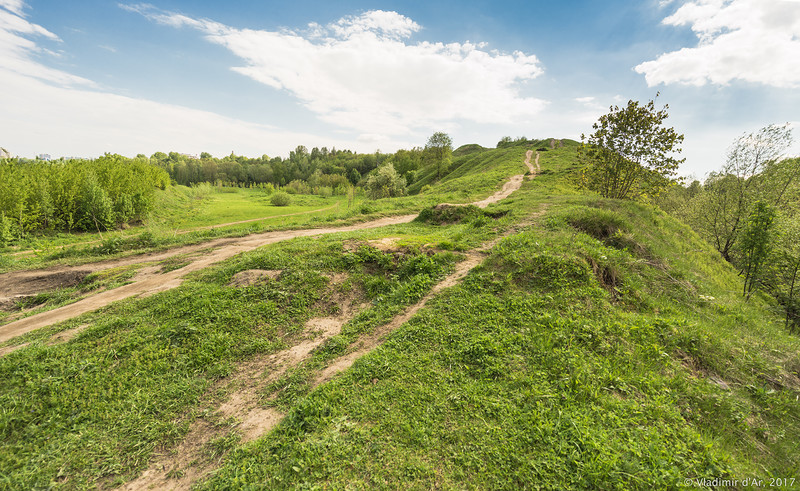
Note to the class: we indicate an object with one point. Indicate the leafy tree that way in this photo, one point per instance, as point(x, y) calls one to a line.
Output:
point(438, 151)
point(385, 183)
point(757, 243)
point(354, 176)
point(785, 278)
point(629, 153)
point(753, 171)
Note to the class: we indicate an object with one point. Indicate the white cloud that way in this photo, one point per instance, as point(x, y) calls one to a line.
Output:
point(78, 122)
point(362, 73)
point(755, 41)
point(52, 111)
point(14, 6)
point(17, 51)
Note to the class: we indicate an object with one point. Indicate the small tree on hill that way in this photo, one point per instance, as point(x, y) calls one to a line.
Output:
point(438, 151)
point(757, 244)
point(629, 153)
point(385, 183)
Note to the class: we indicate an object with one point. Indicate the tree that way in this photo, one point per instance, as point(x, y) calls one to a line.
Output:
point(785, 281)
point(629, 153)
point(753, 171)
point(385, 183)
point(757, 244)
point(438, 150)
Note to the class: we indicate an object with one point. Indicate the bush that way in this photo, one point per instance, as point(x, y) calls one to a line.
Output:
point(280, 199)
point(385, 183)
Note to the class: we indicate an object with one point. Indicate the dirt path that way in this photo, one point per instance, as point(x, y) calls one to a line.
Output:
point(514, 183)
point(186, 231)
point(189, 460)
point(179, 468)
point(156, 282)
point(150, 280)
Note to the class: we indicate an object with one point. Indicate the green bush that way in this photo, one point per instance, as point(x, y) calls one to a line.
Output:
point(280, 198)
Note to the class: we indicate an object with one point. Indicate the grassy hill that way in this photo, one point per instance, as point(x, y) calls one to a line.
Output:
point(599, 344)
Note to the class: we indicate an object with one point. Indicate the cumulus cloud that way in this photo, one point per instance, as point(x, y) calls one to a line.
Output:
point(49, 110)
point(755, 41)
point(362, 72)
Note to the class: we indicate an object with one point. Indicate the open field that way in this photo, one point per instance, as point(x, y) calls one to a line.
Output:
point(551, 340)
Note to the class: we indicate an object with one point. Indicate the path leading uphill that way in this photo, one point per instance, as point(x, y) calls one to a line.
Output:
point(151, 280)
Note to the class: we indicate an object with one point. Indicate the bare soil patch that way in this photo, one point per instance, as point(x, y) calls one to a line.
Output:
point(252, 277)
point(19, 286)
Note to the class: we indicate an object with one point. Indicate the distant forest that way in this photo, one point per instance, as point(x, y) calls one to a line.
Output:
point(320, 167)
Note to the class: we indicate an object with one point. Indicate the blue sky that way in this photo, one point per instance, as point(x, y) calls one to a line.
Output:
point(81, 78)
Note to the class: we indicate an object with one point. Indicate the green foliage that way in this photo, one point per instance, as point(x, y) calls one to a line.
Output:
point(438, 151)
point(385, 183)
point(445, 214)
point(76, 195)
point(468, 149)
point(736, 201)
point(280, 198)
point(753, 171)
point(629, 153)
point(757, 243)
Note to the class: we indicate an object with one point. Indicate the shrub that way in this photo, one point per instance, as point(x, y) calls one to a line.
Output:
point(280, 199)
point(385, 183)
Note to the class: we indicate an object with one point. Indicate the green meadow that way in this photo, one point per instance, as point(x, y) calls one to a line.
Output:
point(598, 344)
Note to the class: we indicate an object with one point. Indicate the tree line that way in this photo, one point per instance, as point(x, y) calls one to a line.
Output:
point(101, 194)
point(317, 168)
point(75, 195)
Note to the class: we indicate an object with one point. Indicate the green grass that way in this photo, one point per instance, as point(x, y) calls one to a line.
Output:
point(92, 410)
point(536, 372)
point(601, 344)
point(180, 208)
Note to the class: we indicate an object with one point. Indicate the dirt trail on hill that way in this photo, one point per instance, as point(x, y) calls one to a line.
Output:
point(244, 403)
point(150, 280)
point(514, 183)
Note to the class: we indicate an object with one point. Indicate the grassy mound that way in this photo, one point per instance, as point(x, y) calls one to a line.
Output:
point(468, 149)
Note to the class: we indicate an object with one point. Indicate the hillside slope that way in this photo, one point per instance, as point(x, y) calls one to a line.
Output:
point(602, 346)
point(599, 344)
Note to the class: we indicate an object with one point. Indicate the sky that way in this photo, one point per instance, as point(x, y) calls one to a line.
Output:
point(85, 77)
